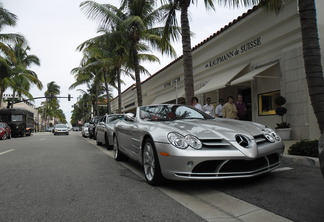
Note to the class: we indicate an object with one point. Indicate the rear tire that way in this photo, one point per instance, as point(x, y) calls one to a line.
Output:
point(151, 165)
point(118, 156)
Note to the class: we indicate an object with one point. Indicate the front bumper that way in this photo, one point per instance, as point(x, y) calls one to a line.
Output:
point(205, 164)
point(61, 132)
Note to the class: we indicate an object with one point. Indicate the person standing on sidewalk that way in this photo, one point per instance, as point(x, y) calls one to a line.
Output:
point(241, 108)
point(209, 108)
point(229, 109)
point(219, 107)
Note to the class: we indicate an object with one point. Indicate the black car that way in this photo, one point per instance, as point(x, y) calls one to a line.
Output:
point(92, 126)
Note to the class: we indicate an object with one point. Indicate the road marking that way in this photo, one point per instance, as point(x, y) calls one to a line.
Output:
point(6, 151)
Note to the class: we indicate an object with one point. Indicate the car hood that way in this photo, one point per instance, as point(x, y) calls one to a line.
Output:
point(215, 128)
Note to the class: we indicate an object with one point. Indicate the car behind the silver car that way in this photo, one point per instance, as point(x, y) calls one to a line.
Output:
point(181, 143)
point(85, 130)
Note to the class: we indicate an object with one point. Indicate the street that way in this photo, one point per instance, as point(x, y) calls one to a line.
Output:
point(64, 178)
point(68, 178)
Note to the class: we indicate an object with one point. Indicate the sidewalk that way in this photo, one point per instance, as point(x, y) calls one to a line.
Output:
point(300, 160)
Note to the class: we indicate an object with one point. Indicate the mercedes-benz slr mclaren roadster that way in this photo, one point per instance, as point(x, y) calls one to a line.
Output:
point(178, 142)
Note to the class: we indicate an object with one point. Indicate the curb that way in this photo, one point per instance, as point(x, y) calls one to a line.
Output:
point(301, 160)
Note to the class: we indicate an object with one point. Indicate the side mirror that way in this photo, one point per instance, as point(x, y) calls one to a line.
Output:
point(130, 117)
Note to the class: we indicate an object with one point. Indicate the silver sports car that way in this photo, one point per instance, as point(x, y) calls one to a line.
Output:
point(178, 142)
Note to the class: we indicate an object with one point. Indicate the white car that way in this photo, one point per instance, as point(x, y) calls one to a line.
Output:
point(61, 129)
point(85, 130)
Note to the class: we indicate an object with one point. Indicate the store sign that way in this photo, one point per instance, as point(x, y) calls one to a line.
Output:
point(235, 52)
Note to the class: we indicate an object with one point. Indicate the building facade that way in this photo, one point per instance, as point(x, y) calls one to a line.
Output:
point(258, 55)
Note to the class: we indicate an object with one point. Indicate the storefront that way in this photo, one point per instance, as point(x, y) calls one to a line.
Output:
point(258, 55)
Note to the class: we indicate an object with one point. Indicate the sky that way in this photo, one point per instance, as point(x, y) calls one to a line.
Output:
point(54, 29)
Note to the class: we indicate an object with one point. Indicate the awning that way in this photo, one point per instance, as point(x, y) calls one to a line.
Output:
point(221, 80)
point(249, 76)
point(169, 96)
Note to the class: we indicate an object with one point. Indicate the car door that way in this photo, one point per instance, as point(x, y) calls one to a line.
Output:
point(100, 129)
point(125, 136)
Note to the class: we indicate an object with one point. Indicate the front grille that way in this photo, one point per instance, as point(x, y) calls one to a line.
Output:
point(260, 139)
point(236, 168)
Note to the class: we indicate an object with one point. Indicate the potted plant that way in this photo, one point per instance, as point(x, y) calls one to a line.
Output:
point(283, 128)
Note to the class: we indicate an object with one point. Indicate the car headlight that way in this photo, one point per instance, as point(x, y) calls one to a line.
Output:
point(270, 135)
point(1, 130)
point(183, 142)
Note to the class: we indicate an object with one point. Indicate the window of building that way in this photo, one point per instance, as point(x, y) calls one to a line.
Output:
point(267, 104)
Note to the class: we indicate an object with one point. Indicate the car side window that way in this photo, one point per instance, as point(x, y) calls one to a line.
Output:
point(104, 119)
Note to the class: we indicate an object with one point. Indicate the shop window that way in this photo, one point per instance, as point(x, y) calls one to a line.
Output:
point(267, 103)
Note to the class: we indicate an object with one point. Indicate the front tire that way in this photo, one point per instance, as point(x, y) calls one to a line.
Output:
point(151, 165)
point(4, 136)
point(109, 147)
point(98, 142)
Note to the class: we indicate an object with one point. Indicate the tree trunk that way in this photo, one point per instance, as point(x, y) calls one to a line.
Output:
point(13, 98)
point(119, 91)
point(186, 48)
point(1, 96)
point(137, 78)
point(107, 92)
point(312, 62)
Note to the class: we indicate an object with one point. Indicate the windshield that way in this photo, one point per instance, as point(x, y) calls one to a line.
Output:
point(114, 118)
point(17, 118)
point(171, 112)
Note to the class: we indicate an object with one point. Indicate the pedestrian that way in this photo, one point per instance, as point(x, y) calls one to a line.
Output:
point(241, 107)
point(194, 103)
point(229, 109)
point(219, 107)
point(209, 108)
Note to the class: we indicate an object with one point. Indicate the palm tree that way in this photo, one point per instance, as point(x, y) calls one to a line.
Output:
point(136, 18)
point(51, 103)
point(95, 65)
point(6, 19)
point(21, 77)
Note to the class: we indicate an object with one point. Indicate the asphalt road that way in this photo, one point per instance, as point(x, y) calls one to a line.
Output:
point(65, 178)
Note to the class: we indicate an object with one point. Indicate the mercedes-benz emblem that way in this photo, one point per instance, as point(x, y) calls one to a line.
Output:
point(242, 140)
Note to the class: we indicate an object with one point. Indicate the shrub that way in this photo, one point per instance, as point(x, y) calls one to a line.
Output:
point(281, 111)
point(304, 148)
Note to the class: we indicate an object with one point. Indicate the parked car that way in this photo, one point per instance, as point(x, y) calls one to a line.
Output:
point(61, 129)
point(5, 131)
point(179, 142)
point(85, 130)
point(50, 129)
point(75, 128)
point(92, 126)
point(105, 129)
